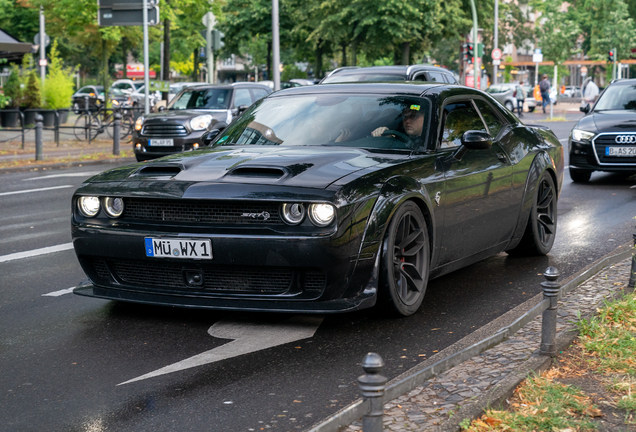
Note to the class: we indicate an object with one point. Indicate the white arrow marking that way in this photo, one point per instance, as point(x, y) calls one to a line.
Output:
point(248, 337)
point(86, 174)
point(59, 293)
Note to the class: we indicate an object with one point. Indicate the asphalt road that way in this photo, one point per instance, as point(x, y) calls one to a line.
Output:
point(66, 361)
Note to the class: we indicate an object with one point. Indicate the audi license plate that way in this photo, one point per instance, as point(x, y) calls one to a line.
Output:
point(166, 142)
point(620, 151)
point(178, 248)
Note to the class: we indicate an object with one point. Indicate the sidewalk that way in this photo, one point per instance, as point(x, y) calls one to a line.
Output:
point(488, 380)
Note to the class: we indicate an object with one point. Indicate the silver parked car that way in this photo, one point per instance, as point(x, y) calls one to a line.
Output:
point(505, 93)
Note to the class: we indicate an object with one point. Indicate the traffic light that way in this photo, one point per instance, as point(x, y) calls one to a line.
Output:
point(611, 56)
point(471, 51)
point(217, 40)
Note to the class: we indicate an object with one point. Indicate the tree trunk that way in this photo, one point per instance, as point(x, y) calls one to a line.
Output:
point(195, 71)
point(269, 60)
point(318, 71)
point(166, 54)
point(354, 52)
point(406, 53)
point(344, 54)
point(396, 56)
point(124, 45)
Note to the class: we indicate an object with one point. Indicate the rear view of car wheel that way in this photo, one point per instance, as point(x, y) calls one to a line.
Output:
point(580, 176)
point(541, 229)
point(509, 105)
point(405, 262)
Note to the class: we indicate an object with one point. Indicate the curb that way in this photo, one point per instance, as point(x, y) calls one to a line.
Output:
point(62, 165)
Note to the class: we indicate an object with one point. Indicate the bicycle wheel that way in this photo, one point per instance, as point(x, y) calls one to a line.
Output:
point(125, 126)
point(86, 125)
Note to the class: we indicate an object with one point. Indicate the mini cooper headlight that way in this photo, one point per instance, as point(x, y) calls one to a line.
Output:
point(201, 122)
point(114, 207)
point(321, 214)
point(581, 135)
point(293, 213)
point(139, 123)
point(88, 205)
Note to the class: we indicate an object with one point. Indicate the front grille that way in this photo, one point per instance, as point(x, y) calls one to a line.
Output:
point(206, 212)
point(601, 143)
point(101, 269)
point(170, 275)
point(165, 130)
point(315, 280)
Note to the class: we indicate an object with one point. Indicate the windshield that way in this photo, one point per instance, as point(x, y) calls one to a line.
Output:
point(617, 97)
point(349, 120)
point(213, 98)
point(363, 77)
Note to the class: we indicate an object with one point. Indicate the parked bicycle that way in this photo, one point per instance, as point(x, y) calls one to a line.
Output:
point(89, 124)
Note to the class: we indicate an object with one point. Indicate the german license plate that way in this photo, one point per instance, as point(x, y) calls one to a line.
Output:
point(166, 142)
point(178, 248)
point(620, 151)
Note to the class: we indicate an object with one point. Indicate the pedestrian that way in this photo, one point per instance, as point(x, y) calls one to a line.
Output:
point(590, 92)
point(544, 87)
point(520, 94)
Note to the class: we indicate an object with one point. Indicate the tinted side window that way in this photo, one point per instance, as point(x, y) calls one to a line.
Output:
point(242, 97)
point(458, 118)
point(450, 79)
point(436, 77)
point(86, 89)
point(491, 119)
point(420, 77)
point(259, 94)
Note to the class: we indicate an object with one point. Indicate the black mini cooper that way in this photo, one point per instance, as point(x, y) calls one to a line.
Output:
point(189, 114)
point(605, 139)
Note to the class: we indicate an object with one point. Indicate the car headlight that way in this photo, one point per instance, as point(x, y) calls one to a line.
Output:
point(581, 135)
point(114, 207)
point(321, 214)
point(201, 122)
point(139, 123)
point(293, 213)
point(88, 205)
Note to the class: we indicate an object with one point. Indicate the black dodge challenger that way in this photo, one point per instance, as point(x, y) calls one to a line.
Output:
point(323, 199)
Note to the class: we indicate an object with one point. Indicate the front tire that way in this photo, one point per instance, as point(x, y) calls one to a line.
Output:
point(542, 223)
point(580, 176)
point(509, 105)
point(405, 262)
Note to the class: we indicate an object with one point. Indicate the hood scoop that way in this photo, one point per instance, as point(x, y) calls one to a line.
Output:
point(270, 173)
point(159, 171)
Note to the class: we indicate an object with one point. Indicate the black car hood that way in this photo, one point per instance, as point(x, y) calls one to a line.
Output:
point(311, 167)
point(609, 121)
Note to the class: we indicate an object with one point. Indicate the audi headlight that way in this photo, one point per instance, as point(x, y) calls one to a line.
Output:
point(201, 122)
point(321, 214)
point(581, 135)
point(293, 213)
point(114, 207)
point(88, 205)
point(139, 123)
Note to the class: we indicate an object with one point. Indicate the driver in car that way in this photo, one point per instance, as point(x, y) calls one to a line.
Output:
point(412, 121)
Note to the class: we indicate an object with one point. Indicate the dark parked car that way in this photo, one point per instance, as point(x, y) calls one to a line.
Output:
point(323, 199)
point(193, 111)
point(390, 73)
point(95, 94)
point(605, 138)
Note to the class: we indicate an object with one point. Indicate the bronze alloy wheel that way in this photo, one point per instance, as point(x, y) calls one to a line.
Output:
point(405, 259)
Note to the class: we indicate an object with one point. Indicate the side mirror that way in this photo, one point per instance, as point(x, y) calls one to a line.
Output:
point(242, 108)
point(208, 137)
point(476, 140)
point(585, 109)
point(162, 108)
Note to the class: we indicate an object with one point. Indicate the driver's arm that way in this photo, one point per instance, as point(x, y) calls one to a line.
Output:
point(379, 131)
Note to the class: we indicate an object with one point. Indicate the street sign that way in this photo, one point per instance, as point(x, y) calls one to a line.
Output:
point(583, 71)
point(537, 57)
point(209, 17)
point(496, 62)
point(43, 62)
point(162, 86)
point(496, 54)
point(36, 39)
point(126, 13)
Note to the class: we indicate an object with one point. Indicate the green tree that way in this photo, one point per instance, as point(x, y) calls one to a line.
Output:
point(12, 88)
point(58, 86)
point(32, 93)
point(18, 19)
point(556, 30)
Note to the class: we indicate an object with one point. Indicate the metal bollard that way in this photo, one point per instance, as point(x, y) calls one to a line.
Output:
point(549, 324)
point(372, 385)
point(116, 129)
point(632, 275)
point(38, 136)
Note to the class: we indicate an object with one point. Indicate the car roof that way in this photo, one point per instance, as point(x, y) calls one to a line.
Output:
point(623, 81)
point(230, 85)
point(414, 88)
point(396, 70)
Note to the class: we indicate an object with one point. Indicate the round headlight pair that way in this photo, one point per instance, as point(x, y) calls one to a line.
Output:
point(89, 206)
point(319, 214)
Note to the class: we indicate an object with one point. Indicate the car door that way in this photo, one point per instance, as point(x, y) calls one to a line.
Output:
point(478, 186)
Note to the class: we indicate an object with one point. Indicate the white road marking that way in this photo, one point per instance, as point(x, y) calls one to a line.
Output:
point(36, 252)
point(79, 174)
point(59, 293)
point(35, 190)
point(249, 336)
point(562, 139)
